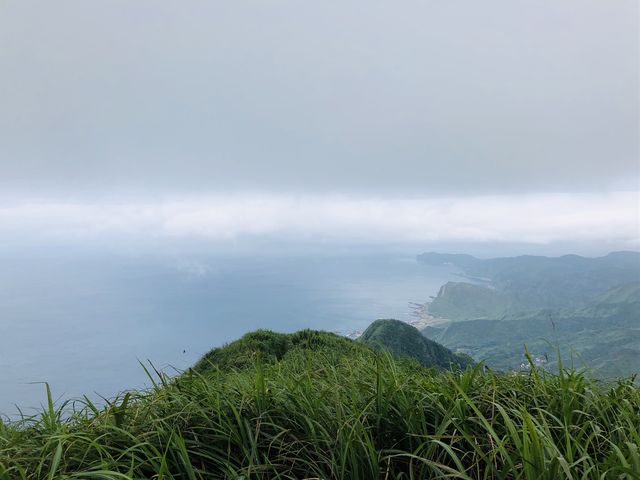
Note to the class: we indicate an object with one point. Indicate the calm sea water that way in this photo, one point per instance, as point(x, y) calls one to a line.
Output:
point(82, 323)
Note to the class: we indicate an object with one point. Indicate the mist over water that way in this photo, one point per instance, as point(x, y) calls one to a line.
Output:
point(81, 322)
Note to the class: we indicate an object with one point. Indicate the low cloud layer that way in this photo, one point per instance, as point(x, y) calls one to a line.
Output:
point(537, 219)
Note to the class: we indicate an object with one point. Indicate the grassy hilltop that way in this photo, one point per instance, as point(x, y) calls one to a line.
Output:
point(315, 405)
point(403, 340)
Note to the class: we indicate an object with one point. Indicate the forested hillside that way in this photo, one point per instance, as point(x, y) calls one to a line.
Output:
point(588, 309)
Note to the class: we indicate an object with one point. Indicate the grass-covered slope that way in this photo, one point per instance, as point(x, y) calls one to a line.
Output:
point(404, 340)
point(352, 415)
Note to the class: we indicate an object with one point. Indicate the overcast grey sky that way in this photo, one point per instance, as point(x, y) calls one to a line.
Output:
point(422, 96)
point(410, 120)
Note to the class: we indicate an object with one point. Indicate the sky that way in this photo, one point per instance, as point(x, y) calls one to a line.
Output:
point(416, 121)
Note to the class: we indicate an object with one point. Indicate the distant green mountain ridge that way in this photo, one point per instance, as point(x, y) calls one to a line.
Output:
point(588, 308)
point(533, 282)
point(603, 337)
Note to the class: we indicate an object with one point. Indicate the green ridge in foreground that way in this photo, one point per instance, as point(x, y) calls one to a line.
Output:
point(398, 338)
point(331, 408)
point(273, 347)
point(404, 340)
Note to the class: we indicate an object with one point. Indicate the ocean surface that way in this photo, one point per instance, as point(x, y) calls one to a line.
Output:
point(82, 323)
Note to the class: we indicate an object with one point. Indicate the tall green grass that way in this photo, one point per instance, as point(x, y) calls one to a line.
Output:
point(317, 414)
